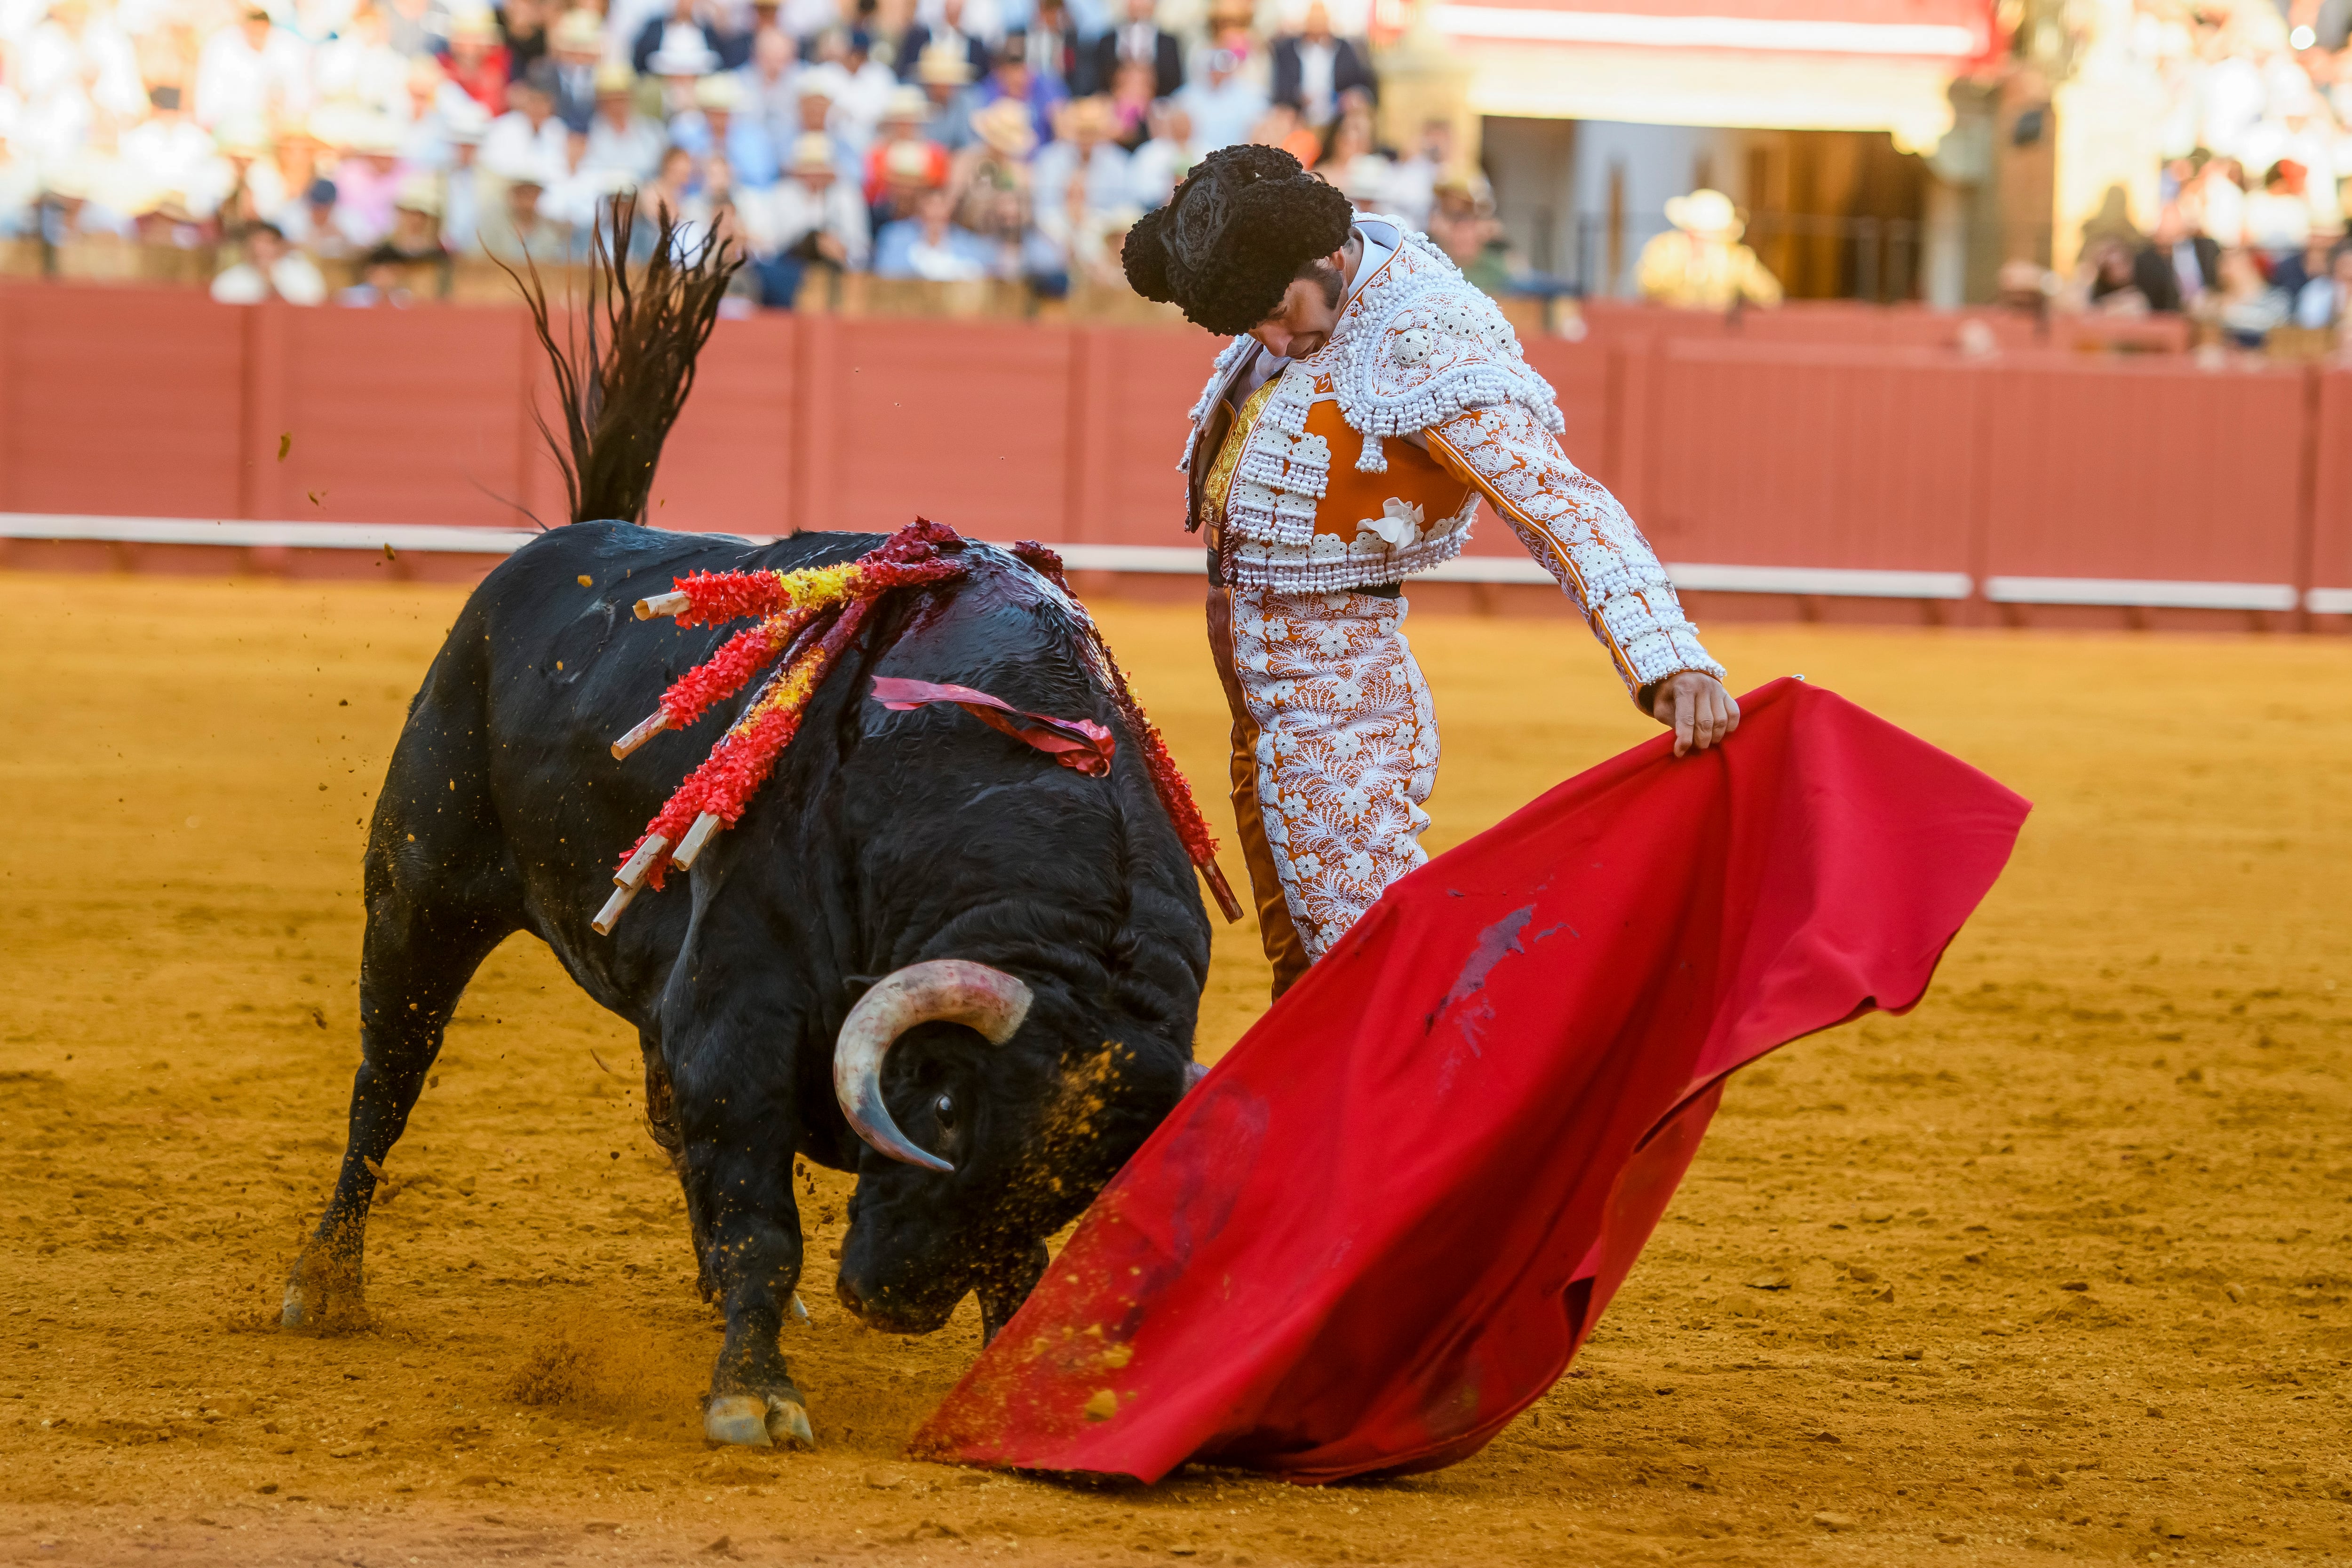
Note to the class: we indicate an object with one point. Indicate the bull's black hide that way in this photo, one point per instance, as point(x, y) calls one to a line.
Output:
point(883, 839)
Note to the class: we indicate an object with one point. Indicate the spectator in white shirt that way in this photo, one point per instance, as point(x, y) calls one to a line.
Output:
point(1156, 166)
point(813, 215)
point(770, 94)
point(575, 45)
point(272, 269)
point(528, 135)
point(1224, 104)
point(515, 225)
point(579, 191)
point(75, 53)
point(620, 141)
point(818, 115)
point(253, 69)
point(359, 65)
point(1082, 149)
point(170, 157)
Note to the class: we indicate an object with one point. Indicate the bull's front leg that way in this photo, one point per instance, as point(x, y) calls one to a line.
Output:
point(738, 1164)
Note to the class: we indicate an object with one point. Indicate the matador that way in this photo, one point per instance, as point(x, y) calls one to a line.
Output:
point(1370, 398)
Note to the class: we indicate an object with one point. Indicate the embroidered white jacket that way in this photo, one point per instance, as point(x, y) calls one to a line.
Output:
point(1419, 353)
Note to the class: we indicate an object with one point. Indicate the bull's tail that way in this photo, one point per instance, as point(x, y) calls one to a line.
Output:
point(625, 362)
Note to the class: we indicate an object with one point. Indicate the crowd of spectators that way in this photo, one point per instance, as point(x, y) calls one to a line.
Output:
point(1012, 140)
point(2250, 233)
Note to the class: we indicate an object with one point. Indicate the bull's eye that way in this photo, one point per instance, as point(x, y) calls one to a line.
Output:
point(944, 1107)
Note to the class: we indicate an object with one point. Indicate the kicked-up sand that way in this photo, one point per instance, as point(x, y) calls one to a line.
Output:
point(2059, 1263)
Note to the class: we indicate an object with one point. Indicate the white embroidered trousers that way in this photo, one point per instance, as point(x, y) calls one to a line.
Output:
point(1347, 748)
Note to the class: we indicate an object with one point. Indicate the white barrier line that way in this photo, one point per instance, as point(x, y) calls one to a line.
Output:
point(1188, 560)
point(2141, 594)
point(2328, 601)
point(1826, 582)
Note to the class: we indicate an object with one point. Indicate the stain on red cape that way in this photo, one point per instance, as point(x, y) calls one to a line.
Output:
point(1385, 1222)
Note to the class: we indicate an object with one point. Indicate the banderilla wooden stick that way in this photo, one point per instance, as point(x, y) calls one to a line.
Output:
point(696, 838)
point(610, 915)
point(674, 603)
point(633, 872)
point(645, 732)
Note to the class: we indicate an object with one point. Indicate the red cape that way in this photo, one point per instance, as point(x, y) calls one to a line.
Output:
point(1385, 1222)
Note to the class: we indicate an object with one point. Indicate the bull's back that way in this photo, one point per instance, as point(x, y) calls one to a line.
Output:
point(504, 786)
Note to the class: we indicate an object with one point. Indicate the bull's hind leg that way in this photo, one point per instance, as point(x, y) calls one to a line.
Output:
point(417, 957)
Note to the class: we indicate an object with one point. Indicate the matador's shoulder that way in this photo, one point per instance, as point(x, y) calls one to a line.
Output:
point(1423, 344)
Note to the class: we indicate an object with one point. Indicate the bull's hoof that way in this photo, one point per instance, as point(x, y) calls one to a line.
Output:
point(753, 1422)
point(321, 1293)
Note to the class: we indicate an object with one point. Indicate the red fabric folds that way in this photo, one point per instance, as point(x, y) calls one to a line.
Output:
point(1385, 1222)
point(1079, 744)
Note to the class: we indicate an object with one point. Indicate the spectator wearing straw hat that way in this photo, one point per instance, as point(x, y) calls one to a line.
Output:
point(903, 119)
point(813, 218)
point(477, 59)
point(575, 45)
point(622, 142)
point(1699, 264)
point(819, 116)
point(1082, 151)
point(717, 123)
point(1010, 78)
point(997, 163)
point(1141, 40)
point(272, 269)
point(515, 228)
point(946, 79)
point(681, 62)
point(947, 36)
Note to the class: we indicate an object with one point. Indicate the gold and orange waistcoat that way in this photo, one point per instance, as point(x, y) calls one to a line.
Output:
point(1260, 498)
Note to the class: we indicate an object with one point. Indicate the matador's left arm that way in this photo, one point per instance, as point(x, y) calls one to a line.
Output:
point(1581, 535)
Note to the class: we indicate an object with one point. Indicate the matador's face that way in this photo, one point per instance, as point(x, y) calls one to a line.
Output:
point(1310, 307)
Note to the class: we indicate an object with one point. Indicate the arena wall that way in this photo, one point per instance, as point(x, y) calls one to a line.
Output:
point(1842, 463)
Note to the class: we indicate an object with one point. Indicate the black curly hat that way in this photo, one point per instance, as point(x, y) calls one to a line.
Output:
point(1228, 244)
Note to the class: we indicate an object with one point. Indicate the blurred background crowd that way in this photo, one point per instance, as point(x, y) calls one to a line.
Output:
point(2167, 158)
point(347, 148)
point(2252, 111)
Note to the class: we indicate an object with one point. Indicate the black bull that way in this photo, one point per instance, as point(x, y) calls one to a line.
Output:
point(884, 839)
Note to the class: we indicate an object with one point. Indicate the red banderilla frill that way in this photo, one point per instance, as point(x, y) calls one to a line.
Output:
point(810, 616)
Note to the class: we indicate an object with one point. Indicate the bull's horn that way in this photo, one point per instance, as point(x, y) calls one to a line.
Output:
point(943, 990)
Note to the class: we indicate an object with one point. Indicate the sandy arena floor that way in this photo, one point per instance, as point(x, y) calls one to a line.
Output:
point(2059, 1263)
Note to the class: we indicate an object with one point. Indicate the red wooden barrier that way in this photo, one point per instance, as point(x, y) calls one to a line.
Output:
point(1879, 452)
